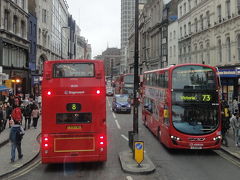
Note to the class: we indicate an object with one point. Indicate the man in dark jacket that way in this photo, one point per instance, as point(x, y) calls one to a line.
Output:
point(27, 114)
point(15, 138)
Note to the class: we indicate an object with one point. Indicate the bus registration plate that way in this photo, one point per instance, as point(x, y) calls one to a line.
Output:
point(195, 147)
point(73, 127)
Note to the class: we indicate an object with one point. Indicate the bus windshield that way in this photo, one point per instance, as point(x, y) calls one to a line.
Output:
point(128, 79)
point(194, 100)
point(68, 70)
point(193, 77)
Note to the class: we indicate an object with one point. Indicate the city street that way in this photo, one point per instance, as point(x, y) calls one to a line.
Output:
point(170, 165)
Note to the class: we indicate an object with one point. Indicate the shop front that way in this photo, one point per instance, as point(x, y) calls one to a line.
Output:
point(230, 83)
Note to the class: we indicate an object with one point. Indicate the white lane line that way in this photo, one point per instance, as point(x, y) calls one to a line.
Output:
point(116, 121)
point(108, 102)
point(124, 137)
point(114, 115)
point(129, 178)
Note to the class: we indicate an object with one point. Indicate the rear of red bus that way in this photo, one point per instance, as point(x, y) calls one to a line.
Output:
point(73, 111)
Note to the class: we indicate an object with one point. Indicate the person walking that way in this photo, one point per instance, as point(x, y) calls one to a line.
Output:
point(225, 122)
point(235, 122)
point(8, 113)
point(16, 114)
point(35, 116)
point(15, 137)
point(27, 115)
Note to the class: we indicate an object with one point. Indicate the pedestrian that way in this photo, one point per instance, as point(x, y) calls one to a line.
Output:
point(27, 115)
point(39, 100)
point(225, 122)
point(235, 105)
point(35, 116)
point(1, 119)
point(4, 111)
point(17, 111)
point(8, 113)
point(15, 137)
point(235, 122)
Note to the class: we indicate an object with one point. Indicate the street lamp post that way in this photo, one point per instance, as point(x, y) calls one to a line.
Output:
point(64, 27)
point(136, 79)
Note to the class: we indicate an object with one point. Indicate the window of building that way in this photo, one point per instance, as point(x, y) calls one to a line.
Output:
point(189, 5)
point(208, 18)
point(196, 24)
point(184, 8)
point(228, 10)
point(44, 15)
point(180, 11)
point(189, 28)
point(23, 29)
point(15, 21)
point(185, 30)
point(219, 50)
point(174, 34)
point(195, 49)
point(201, 22)
point(238, 6)
point(170, 35)
point(201, 54)
point(238, 46)
point(180, 31)
point(219, 13)
point(228, 45)
point(208, 53)
point(171, 51)
point(6, 20)
point(195, 3)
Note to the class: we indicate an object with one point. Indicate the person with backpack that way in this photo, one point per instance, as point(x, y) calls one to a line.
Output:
point(15, 137)
point(17, 111)
point(27, 114)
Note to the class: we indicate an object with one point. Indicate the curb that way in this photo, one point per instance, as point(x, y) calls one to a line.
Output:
point(4, 142)
point(230, 153)
point(25, 164)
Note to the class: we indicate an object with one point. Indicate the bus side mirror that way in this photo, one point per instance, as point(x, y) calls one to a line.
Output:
point(48, 76)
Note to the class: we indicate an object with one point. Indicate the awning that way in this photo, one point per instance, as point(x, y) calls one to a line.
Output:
point(3, 88)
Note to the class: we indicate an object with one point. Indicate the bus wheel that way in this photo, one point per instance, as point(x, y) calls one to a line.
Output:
point(159, 134)
point(145, 122)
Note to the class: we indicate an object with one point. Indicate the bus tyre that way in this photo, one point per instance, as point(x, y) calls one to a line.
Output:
point(159, 134)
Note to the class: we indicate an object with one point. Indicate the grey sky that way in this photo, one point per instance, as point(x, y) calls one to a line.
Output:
point(99, 21)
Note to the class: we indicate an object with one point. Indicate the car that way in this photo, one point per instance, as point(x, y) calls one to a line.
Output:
point(121, 103)
point(109, 91)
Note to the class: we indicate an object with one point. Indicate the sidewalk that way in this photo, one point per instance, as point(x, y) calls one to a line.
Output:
point(231, 149)
point(30, 149)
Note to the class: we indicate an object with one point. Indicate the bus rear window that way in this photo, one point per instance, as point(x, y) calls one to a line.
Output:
point(71, 70)
point(73, 118)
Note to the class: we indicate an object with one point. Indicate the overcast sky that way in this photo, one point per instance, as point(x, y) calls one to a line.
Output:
point(99, 21)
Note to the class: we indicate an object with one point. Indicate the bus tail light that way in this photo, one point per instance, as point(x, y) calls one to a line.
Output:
point(101, 140)
point(45, 143)
point(49, 93)
point(98, 91)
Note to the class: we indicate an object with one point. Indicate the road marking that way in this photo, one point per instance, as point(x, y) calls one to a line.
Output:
point(108, 102)
point(114, 115)
point(24, 171)
point(116, 121)
point(129, 178)
point(227, 157)
point(124, 137)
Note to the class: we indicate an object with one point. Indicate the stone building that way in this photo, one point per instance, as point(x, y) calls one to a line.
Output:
point(14, 44)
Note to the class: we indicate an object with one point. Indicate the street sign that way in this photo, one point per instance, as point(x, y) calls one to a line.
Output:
point(138, 151)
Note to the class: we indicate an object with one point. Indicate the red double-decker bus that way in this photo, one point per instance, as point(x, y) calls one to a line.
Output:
point(73, 111)
point(181, 106)
point(124, 84)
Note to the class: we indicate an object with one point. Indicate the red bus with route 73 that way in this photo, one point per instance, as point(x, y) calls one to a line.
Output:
point(181, 106)
point(73, 111)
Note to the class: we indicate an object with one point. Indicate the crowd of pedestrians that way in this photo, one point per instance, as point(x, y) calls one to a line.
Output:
point(12, 113)
point(232, 121)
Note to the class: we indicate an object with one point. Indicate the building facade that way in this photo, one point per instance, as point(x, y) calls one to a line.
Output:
point(127, 17)
point(14, 44)
point(214, 33)
point(111, 57)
